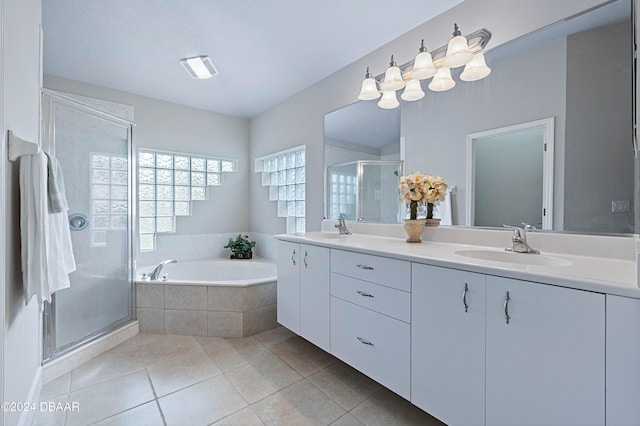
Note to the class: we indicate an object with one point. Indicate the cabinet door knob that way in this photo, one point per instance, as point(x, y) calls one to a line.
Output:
point(369, 268)
point(506, 307)
point(365, 341)
point(293, 257)
point(305, 259)
point(364, 294)
point(464, 297)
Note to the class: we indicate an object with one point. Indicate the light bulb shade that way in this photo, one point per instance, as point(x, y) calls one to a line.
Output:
point(476, 69)
point(412, 91)
point(442, 81)
point(423, 66)
point(458, 53)
point(392, 79)
point(369, 90)
point(388, 100)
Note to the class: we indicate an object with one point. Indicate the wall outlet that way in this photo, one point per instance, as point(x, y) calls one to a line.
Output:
point(619, 206)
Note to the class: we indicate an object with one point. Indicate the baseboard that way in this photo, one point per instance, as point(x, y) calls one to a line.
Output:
point(68, 362)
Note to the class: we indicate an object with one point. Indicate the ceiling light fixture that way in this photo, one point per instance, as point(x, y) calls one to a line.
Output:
point(460, 50)
point(199, 67)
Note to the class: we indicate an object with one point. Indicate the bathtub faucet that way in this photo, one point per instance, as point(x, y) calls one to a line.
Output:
point(156, 272)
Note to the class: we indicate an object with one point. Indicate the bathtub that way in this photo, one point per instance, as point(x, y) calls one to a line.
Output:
point(218, 298)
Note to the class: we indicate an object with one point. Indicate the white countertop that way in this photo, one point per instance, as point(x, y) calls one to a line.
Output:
point(598, 274)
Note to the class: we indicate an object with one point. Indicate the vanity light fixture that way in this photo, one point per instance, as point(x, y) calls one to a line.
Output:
point(369, 88)
point(389, 100)
point(477, 69)
point(461, 50)
point(392, 77)
point(199, 67)
point(458, 53)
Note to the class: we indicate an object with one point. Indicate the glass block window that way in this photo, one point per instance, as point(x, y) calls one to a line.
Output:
point(109, 196)
point(284, 174)
point(167, 184)
point(342, 195)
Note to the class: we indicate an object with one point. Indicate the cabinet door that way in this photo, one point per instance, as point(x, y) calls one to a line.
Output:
point(315, 295)
point(545, 355)
point(623, 360)
point(447, 344)
point(289, 285)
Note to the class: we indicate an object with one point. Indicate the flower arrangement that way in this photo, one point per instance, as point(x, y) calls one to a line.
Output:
point(418, 189)
point(240, 247)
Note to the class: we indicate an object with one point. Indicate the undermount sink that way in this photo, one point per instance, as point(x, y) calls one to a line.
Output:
point(326, 235)
point(511, 257)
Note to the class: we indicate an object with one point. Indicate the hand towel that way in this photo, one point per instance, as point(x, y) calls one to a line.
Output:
point(34, 225)
point(55, 185)
point(443, 210)
point(47, 255)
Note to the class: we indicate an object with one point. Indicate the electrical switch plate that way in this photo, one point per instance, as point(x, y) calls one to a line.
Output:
point(619, 206)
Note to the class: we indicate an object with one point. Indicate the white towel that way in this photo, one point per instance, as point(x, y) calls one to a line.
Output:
point(443, 210)
point(55, 184)
point(47, 255)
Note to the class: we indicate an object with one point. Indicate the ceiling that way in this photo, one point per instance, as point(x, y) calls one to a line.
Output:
point(266, 50)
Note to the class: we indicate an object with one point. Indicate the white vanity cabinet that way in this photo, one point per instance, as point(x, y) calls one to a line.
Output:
point(537, 358)
point(370, 305)
point(289, 285)
point(623, 360)
point(448, 348)
point(304, 291)
point(545, 354)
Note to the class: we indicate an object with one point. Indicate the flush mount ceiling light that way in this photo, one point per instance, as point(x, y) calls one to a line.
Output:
point(199, 67)
point(461, 50)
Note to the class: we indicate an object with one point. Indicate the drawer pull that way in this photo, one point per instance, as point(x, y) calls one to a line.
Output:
point(464, 297)
point(364, 294)
point(506, 307)
point(365, 341)
point(369, 268)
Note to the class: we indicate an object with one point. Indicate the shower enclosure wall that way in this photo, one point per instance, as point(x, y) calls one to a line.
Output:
point(364, 191)
point(94, 149)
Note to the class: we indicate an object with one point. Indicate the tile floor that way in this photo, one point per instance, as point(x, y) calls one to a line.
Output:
point(273, 378)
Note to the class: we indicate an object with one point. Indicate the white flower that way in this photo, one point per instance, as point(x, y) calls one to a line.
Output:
point(422, 188)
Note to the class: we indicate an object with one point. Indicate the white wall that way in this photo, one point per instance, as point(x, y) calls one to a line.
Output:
point(299, 119)
point(21, 85)
point(172, 127)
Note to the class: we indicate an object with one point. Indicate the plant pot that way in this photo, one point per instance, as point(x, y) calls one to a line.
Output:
point(432, 222)
point(247, 255)
point(414, 228)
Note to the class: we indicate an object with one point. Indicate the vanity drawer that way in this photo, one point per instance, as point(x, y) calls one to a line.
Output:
point(388, 301)
point(372, 343)
point(381, 270)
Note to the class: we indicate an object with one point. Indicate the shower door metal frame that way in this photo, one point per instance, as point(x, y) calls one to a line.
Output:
point(49, 97)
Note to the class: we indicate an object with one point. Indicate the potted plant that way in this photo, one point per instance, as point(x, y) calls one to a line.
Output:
point(240, 247)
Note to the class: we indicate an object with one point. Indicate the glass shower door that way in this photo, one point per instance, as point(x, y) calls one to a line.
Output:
point(94, 151)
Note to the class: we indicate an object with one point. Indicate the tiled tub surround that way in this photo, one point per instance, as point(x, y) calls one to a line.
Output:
point(218, 298)
point(201, 310)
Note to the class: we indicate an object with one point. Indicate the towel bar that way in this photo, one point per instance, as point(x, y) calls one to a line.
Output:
point(18, 146)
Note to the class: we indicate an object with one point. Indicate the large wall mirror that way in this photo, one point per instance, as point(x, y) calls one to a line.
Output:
point(579, 72)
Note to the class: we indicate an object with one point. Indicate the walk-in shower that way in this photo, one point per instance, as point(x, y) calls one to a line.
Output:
point(364, 190)
point(94, 149)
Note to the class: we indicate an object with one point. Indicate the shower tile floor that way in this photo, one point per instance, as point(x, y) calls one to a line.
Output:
point(272, 378)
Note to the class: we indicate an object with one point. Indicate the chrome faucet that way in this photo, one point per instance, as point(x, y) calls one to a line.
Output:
point(519, 239)
point(342, 226)
point(156, 271)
